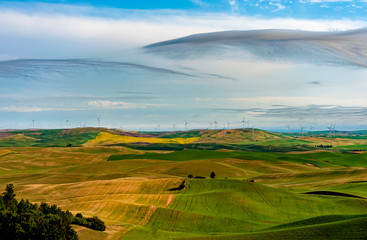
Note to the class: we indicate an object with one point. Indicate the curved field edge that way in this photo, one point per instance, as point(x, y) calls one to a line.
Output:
point(228, 208)
point(342, 230)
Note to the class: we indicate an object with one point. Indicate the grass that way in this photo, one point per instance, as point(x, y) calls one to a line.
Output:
point(231, 206)
point(186, 134)
point(184, 155)
point(319, 159)
point(46, 138)
point(127, 184)
point(343, 230)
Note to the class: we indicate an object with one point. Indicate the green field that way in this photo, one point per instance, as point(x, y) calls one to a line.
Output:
point(258, 192)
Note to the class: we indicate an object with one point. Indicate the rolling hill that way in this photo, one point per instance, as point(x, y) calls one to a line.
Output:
point(259, 191)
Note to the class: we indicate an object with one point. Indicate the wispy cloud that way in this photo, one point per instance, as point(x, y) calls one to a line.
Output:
point(325, 1)
point(67, 32)
point(315, 82)
point(199, 3)
point(346, 48)
point(77, 103)
point(278, 6)
point(233, 4)
point(296, 101)
point(28, 68)
point(311, 112)
point(85, 61)
point(87, 105)
point(104, 104)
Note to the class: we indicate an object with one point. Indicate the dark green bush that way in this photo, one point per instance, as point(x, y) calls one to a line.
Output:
point(28, 221)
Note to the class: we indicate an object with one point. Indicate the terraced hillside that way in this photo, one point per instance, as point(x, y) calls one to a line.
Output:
point(135, 187)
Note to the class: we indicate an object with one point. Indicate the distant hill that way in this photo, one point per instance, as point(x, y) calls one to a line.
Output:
point(235, 139)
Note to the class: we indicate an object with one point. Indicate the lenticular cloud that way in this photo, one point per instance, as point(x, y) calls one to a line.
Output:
point(346, 48)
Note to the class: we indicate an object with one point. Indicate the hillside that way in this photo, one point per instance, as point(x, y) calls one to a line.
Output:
point(131, 181)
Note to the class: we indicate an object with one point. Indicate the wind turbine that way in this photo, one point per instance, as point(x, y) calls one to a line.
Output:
point(67, 123)
point(243, 123)
point(33, 120)
point(159, 126)
point(330, 129)
point(186, 123)
point(215, 124)
point(174, 126)
point(302, 128)
point(289, 128)
point(224, 129)
point(248, 123)
point(210, 124)
point(311, 128)
point(99, 120)
point(334, 130)
point(228, 123)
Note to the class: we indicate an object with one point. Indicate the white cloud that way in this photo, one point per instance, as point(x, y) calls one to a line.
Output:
point(42, 34)
point(232, 2)
point(268, 101)
point(21, 109)
point(88, 105)
point(199, 3)
point(278, 6)
point(324, 1)
point(105, 104)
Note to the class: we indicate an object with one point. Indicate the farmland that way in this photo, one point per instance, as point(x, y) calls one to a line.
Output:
point(275, 186)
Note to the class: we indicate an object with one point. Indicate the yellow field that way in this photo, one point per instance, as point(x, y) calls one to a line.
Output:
point(109, 138)
point(4, 152)
point(80, 180)
point(129, 193)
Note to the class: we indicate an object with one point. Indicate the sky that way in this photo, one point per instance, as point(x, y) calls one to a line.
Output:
point(154, 65)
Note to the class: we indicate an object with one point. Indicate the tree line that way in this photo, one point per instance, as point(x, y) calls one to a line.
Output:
point(22, 220)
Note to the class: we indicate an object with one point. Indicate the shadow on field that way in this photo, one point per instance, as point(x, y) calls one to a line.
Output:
point(337, 194)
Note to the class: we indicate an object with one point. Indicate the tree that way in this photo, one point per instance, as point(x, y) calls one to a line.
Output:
point(9, 197)
point(212, 175)
point(28, 221)
point(96, 224)
point(2, 205)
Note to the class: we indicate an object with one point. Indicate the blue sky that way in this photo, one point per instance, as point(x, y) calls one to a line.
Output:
point(320, 9)
point(75, 60)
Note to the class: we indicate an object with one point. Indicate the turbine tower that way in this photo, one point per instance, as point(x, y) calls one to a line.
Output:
point(33, 121)
point(186, 123)
point(330, 130)
point(174, 126)
point(311, 128)
point(334, 130)
point(302, 128)
point(215, 124)
point(253, 133)
point(289, 128)
point(99, 120)
point(210, 124)
point(243, 122)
